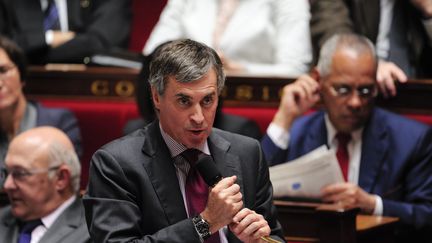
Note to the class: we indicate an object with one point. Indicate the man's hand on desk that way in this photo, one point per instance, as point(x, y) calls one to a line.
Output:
point(349, 195)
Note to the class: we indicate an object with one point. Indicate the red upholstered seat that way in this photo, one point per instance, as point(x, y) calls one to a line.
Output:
point(100, 122)
point(103, 121)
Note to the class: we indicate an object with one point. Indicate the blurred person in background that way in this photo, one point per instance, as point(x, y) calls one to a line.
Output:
point(60, 31)
point(17, 114)
point(268, 37)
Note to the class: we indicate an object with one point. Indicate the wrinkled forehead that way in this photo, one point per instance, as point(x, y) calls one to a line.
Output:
point(27, 154)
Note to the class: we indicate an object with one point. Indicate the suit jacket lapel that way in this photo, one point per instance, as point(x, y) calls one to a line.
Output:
point(161, 171)
point(374, 152)
point(317, 134)
point(65, 224)
point(227, 163)
point(10, 224)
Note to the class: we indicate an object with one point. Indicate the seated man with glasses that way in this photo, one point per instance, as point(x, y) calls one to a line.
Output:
point(17, 114)
point(385, 158)
point(42, 181)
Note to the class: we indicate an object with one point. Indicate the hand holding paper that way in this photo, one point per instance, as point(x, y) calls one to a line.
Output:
point(306, 175)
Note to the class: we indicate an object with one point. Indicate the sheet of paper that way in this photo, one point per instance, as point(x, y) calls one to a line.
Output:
point(306, 175)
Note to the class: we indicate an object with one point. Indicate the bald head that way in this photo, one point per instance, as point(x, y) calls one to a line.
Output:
point(46, 147)
point(42, 137)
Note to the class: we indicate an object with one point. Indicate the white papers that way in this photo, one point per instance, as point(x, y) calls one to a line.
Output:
point(306, 175)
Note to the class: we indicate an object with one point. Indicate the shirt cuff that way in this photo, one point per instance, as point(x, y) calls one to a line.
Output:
point(278, 135)
point(378, 206)
point(49, 37)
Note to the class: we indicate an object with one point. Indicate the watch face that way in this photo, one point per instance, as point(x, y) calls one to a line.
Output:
point(202, 227)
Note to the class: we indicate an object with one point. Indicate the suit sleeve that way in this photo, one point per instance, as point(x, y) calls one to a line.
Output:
point(113, 206)
point(415, 208)
point(273, 154)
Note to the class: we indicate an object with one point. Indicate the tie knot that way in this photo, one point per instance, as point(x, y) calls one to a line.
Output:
point(29, 226)
point(343, 138)
point(191, 155)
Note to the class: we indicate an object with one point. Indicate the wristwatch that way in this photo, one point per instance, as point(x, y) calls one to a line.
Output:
point(202, 227)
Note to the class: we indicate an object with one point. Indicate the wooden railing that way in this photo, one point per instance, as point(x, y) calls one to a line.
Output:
point(108, 83)
point(325, 223)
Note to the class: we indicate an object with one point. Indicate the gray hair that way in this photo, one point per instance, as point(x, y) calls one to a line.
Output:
point(58, 155)
point(357, 43)
point(187, 61)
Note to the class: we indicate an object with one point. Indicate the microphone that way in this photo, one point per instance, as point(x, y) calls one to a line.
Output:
point(208, 170)
point(211, 175)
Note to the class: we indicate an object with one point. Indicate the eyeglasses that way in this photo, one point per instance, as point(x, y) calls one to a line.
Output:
point(345, 91)
point(5, 70)
point(20, 174)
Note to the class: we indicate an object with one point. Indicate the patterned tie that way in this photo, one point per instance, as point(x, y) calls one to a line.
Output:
point(342, 152)
point(196, 189)
point(51, 17)
point(26, 230)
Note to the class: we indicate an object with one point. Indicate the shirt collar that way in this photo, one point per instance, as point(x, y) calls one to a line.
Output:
point(177, 148)
point(51, 218)
point(331, 131)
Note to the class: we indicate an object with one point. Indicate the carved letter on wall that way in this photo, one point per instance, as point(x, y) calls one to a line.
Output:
point(124, 88)
point(100, 87)
point(244, 92)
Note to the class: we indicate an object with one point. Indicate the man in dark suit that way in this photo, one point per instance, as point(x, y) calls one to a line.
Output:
point(140, 188)
point(42, 180)
point(388, 162)
point(16, 112)
point(401, 31)
point(83, 28)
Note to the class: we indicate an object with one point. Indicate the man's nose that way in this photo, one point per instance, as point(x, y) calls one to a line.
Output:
point(9, 183)
point(355, 101)
point(197, 115)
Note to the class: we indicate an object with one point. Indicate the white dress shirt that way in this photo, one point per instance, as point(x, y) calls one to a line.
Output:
point(48, 220)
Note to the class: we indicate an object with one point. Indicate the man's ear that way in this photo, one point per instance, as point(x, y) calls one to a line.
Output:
point(63, 178)
point(155, 97)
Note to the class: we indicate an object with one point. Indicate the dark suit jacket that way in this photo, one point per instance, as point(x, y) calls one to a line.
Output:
point(100, 25)
point(396, 161)
point(362, 16)
point(134, 195)
point(63, 119)
point(69, 227)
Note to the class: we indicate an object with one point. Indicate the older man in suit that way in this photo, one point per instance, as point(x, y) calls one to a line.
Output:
point(145, 187)
point(42, 182)
point(386, 158)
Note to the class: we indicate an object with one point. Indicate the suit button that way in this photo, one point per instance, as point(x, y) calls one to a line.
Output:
point(85, 3)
